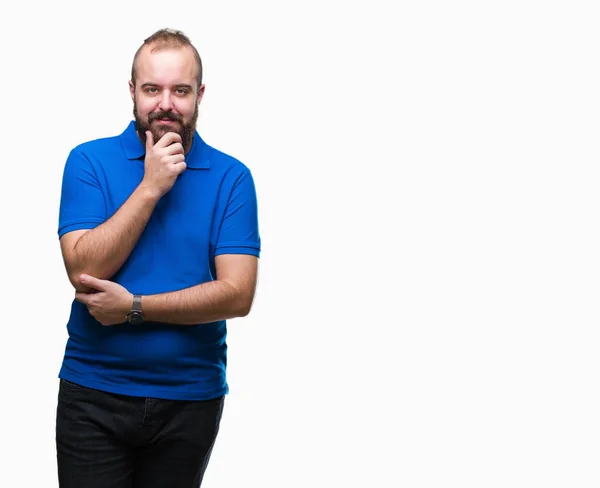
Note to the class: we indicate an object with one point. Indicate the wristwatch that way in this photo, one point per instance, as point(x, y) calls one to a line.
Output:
point(136, 317)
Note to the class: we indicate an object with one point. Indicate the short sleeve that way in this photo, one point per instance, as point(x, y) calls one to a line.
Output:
point(82, 203)
point(239, 233)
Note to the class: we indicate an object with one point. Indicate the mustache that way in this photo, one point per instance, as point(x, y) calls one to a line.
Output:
point(165, 115)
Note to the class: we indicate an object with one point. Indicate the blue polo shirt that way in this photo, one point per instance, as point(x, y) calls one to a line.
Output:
point(210, 210)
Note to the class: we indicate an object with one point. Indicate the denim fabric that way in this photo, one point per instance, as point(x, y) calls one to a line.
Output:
point(105, 440)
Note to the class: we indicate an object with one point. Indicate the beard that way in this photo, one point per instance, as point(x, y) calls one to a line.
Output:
point(186, 131)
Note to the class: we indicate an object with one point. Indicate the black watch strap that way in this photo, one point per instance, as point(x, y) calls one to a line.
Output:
point(136, 317)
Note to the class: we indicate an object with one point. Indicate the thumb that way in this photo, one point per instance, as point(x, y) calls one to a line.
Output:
point(93, 282)
point(149, 140)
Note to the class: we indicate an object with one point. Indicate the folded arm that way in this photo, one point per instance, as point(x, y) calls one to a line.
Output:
point(229, 296)
point(101, 251)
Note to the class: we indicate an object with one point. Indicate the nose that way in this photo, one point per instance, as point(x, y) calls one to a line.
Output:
point(166, 102)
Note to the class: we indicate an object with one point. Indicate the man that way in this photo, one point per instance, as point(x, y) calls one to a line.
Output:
point(159, 236)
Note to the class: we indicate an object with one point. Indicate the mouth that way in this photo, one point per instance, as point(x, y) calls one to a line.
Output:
point(165, 121)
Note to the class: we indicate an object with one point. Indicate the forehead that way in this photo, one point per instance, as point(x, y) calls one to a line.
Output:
point(166, 65)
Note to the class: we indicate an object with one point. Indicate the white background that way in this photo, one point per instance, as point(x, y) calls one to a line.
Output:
point(427, 172)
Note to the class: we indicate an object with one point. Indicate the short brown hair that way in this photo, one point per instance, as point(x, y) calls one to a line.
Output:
point(164, 39)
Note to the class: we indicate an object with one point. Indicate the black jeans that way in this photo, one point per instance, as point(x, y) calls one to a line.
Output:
point(105, 440)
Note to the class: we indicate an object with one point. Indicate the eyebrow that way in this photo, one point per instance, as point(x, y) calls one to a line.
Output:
point(179, 85)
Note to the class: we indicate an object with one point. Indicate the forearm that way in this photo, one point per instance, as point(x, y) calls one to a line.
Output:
point(102, 251)
point(201, 304)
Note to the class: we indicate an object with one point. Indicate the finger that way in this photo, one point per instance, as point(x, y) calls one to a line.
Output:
point(168, 139)
point(175, 159)
point(180, 167)
point(175, 148)
point(81, 297)
point(93, 282)
point(149, 141)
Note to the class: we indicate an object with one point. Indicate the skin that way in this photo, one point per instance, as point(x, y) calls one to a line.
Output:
point(165, 83)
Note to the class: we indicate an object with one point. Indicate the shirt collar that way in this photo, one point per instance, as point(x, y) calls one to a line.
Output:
point(196, 158)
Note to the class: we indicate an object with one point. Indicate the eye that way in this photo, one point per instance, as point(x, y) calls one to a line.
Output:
point(151, 89)
point(182, 91)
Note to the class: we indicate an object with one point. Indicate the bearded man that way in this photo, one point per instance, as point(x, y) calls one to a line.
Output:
point(159, 237)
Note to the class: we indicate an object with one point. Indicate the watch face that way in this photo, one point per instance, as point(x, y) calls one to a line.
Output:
point(136, 318)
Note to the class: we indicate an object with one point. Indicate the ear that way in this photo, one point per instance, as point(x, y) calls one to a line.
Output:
point(132, 90)
point(200, 94)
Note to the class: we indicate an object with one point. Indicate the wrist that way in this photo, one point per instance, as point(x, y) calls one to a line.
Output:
point(135, 315)
point(149, 192)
